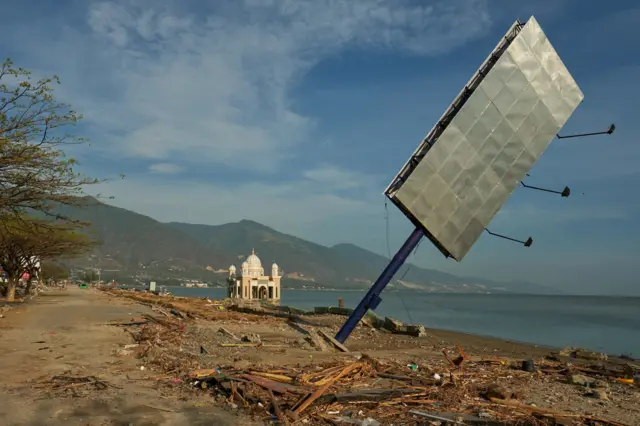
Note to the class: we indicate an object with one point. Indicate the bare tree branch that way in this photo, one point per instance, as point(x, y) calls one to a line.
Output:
point(35, 173)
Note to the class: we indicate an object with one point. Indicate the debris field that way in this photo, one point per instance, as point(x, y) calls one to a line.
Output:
point(288, 369)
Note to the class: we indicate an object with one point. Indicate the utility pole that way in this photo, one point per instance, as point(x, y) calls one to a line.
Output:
point(98, 270)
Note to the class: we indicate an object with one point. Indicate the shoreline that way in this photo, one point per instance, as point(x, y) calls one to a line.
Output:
point(539, 344)
point(477, 338)
point(363, 290)
point(140, 355)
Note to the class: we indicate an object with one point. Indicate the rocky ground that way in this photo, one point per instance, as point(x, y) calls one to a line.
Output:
point(104, 358)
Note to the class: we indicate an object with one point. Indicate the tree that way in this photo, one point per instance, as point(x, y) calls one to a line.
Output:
point(50, 269)
point(35, 173)
point(25, 242)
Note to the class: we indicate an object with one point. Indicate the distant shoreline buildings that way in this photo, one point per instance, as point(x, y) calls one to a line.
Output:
point(252, 283)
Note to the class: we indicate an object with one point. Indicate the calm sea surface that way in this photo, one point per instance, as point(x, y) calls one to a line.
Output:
point(607, 324)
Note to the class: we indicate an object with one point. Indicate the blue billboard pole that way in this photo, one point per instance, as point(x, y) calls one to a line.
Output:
point(372, 299)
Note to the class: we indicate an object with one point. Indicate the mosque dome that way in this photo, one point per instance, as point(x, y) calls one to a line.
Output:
point(254, 265)
point(254, 261)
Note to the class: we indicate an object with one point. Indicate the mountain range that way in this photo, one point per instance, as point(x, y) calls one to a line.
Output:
point(134, 245)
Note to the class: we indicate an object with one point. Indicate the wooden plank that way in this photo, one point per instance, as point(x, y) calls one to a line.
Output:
point(333, 341)
point(318, 393)
point(272, 385)
point(276, 408)
point(228, 333)
point(271, 376)
point(250, 345)
point(297, 328)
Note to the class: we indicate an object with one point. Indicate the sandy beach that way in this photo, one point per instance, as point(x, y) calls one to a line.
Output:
point(63, 334)
point(93, 358)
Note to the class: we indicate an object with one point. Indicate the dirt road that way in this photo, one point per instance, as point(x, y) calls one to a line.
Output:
point(64, 334)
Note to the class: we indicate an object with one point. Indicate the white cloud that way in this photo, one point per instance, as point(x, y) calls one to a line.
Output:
point(335, 178)
point(166, 168)
point(201, 87)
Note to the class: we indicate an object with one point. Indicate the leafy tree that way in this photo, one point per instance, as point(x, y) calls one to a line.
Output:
point(35, 173)
point(50, 269)
point(26, 241)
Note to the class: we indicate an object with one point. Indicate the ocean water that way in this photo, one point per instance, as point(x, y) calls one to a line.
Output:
point(606, 324)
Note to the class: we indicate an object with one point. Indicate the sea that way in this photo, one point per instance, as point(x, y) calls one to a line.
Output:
point(600, 323)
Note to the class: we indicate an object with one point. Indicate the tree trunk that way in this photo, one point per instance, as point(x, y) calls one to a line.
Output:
point(11, 289)
point(29, 287)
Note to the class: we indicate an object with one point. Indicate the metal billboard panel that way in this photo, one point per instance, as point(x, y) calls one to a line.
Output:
point(487, 140)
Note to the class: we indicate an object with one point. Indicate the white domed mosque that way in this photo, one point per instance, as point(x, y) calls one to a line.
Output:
point(252, 283)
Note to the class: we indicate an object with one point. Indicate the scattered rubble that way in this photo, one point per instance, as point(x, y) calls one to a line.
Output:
point(598, 394)
point(347, 387)
point(69, 385)
point(583, 354)
point(228, 333)
point(251, 338)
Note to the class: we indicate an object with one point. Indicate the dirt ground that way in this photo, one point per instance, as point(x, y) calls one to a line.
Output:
point(63, 333)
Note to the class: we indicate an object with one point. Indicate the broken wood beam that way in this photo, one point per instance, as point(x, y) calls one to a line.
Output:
point(319, 392)
point(333, 341)
point(297, 328)
point(276, 408)
point(370, 395)
point(277, 377)
point(434, 417)
point(228, 333)
point(162, 322)
point(159, 309)
point(281, 388)
point(444, 352)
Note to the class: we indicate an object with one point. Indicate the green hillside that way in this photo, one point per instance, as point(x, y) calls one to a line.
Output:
point(296, 257)
point(131, 241)
point(137, 244)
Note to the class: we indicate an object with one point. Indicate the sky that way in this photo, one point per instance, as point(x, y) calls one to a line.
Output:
point(297, 114)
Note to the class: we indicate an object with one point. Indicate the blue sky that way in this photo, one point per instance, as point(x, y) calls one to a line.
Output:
point(297, 114)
